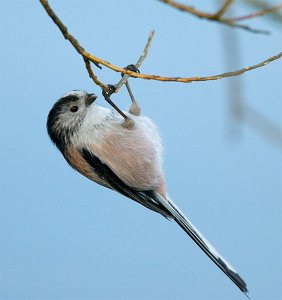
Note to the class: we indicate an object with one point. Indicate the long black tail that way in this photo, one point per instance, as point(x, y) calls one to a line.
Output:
point(202, 242)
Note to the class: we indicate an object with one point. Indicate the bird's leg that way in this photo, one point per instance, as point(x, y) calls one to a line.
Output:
point(134, 107)
point(128, 122)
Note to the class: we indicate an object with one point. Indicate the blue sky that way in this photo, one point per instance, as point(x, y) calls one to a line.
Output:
point(64, 237)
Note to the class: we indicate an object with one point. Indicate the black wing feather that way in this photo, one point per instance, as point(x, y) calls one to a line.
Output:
point(142, 197)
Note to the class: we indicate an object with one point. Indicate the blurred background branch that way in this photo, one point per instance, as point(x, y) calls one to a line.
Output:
point(239, 112)
point(275, 16)
point(267, 10)
point(218, 15)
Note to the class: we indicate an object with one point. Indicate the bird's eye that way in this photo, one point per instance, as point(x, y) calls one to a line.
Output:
point(74, 108)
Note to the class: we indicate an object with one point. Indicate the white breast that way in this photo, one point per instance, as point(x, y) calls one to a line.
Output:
point(134, 155)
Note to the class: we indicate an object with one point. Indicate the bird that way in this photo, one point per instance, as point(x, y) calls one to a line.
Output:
point(95, 141)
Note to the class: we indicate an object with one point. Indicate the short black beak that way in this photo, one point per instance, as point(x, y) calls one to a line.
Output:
point(90, 98)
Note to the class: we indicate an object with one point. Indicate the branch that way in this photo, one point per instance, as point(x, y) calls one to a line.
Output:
point(217, 17)
point(93, 76)
point(98, 61)
point(139, 62)
point(182, 79)
point(258, 13)
point(223, 9)
point(85, 55)
point(276, 16)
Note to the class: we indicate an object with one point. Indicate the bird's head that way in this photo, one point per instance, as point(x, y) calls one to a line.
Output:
point(67, 115)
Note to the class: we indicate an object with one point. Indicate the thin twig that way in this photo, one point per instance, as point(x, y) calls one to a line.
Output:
point(229, 23)
point(212, 17)
point(276, 16)
point(93, 76)
point(139, 62)
point(98, 61)
point(186, 8)
point(258, 13)
point(223, 9)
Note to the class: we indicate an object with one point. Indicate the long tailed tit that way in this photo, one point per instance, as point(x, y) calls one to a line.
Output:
point(95, 142)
